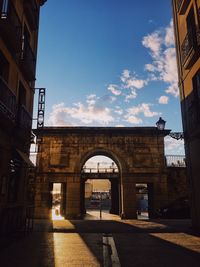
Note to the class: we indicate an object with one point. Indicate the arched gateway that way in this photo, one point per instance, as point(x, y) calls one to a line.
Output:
point(63, 151)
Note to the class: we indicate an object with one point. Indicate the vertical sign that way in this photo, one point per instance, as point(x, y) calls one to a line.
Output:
point(41, 108)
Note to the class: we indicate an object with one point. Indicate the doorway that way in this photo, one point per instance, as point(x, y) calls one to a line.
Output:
point(58, 201)
point(98, 195)
point(100, 192)
point(144, 201)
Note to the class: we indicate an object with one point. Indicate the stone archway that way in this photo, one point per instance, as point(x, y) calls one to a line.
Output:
point(113, 177)
point(138, 153)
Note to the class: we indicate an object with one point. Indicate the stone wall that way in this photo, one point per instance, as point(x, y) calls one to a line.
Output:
point(177, 183)
point(138, 152)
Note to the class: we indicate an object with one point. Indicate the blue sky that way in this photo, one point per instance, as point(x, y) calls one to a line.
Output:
point(109, 63)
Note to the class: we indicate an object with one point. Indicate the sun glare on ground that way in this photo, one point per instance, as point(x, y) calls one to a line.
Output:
point(56, 216)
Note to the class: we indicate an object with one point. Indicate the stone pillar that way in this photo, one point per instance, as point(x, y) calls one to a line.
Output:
point(151, 200)
point(82, 197)
point(73, 207)
point(157, 194)
point(114, 196)
point(43, 199)
point(129, 210)
point(63, 199)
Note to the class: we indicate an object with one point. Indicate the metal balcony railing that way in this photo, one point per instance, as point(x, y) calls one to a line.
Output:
point(32, 13)
point(29, 218)
point(8, 104)
point(181, 5)
point(100, 170)
point(178, 4)
point(16, 218)
point(28, 62)
point(175, 161)
point(12, 220)
point(189, 45)
point(10, 26)
point(25, 119)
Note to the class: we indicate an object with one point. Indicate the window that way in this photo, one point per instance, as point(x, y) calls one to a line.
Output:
point(189, 44)
point(22, 95)
point(194, 107)
point(14, 178)
point(4, 9)
point(191, 28)
point(196, 87)
point(4, 67)
point(25, 41)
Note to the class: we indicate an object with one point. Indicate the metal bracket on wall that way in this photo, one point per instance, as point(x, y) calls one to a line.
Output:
point(177, 135)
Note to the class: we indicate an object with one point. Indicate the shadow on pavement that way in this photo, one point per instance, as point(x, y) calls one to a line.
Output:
point(160, 249)
point(123, 226)
point(139, 243)
point(33, 250)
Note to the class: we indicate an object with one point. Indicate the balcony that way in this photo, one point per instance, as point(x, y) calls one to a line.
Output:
point(10, 27)
point(32, 13)
point(175, 161)
point(181, 6)
point(28, 62)
point(25, 119)
point(99, 173)
point(189, 48)
point(24, 123)
point(8, 105)
point(12, 219)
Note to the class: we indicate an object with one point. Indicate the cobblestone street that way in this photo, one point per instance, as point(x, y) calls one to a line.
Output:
point(80, 243)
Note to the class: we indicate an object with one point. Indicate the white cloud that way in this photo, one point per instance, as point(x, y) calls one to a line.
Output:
point(106, 98)
point(163, 53)
point(118, 110)
point(79, 114)
point(91, 99)
point(169, 73)
point(169, 37)
point(131, 81)
point(99, 110)
point(143, 108)
point(150, 67)
point(173, 146)
point(129, 85)
point(163, 100)
point(133, 113)
point(133, 119)
point(114, 89)
point(135, 83)
point(119, 125)
point(125, 75)
point(153, 41)
point(132, 95)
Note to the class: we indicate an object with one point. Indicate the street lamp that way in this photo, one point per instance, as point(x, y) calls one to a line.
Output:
point(160, 124)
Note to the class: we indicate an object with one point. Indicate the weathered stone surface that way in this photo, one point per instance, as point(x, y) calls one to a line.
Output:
point(138, 153)
point(177, 183)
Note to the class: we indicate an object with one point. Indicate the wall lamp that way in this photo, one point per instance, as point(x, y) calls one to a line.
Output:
point(161, 126)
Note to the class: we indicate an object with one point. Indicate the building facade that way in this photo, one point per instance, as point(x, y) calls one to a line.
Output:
point(138, 153)
point(19, 21)
point(186, 15)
